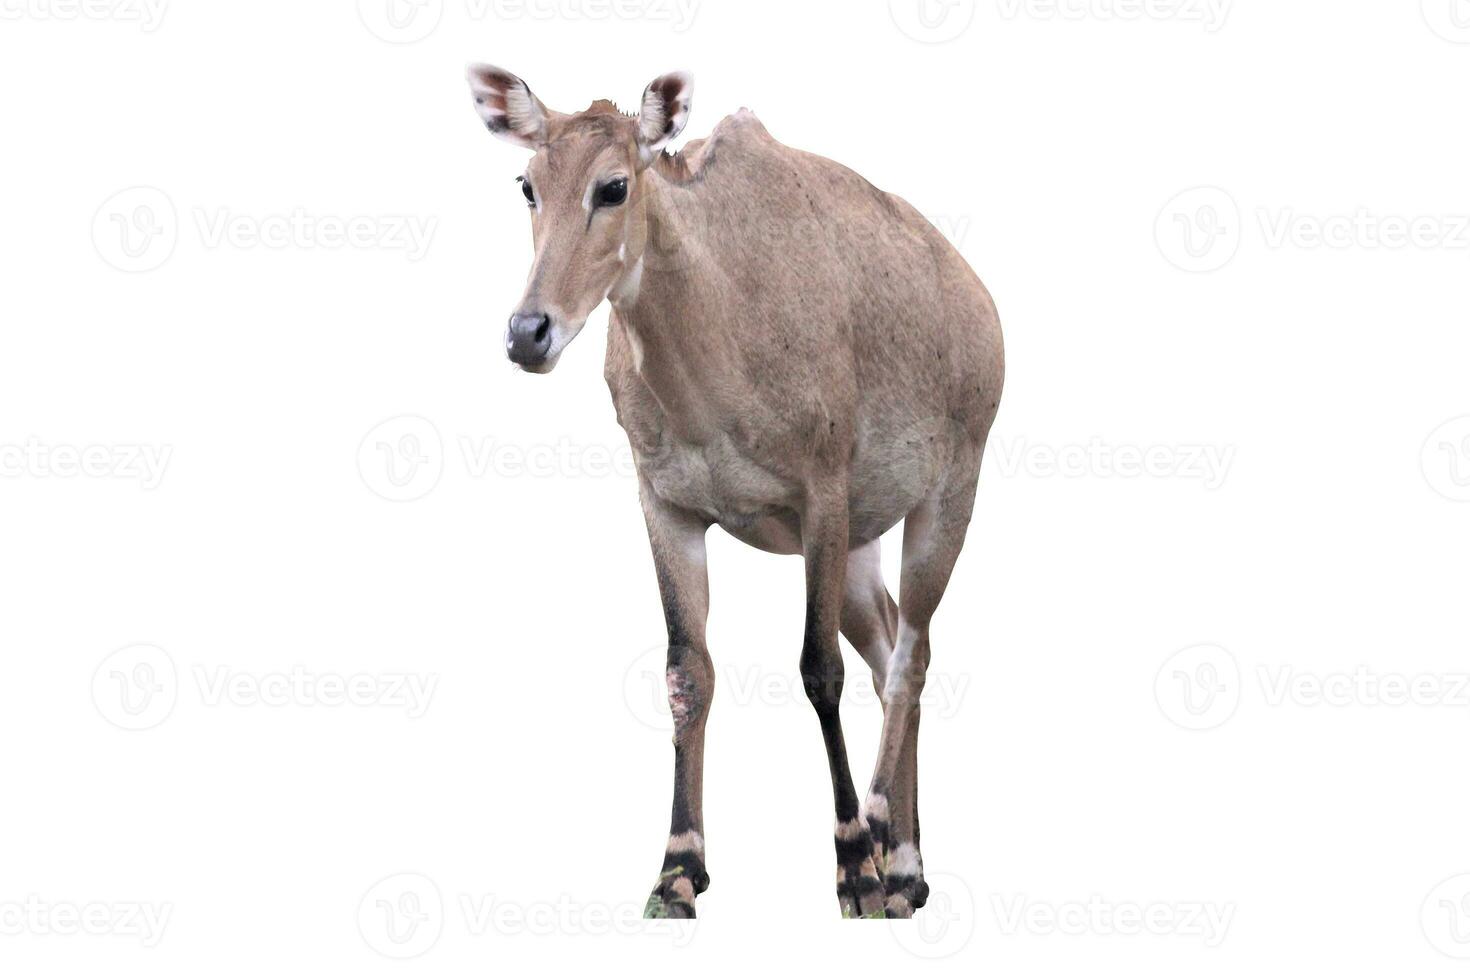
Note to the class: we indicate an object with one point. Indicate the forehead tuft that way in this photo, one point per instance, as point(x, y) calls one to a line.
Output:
point(599, 121)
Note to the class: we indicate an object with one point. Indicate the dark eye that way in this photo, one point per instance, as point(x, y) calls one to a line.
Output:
point(613, 193)
point(527, 190)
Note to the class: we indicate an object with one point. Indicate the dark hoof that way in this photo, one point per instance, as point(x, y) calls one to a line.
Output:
point(678, 884)
point(859, 882)
point(903, 881)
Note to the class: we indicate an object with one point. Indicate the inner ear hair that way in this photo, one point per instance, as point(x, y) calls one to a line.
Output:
point(506, 105)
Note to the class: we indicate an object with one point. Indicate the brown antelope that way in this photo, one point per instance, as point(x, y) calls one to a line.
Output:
point(795, 356)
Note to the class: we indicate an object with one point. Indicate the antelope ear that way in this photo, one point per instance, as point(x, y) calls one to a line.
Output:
point(664, 111)
point(506, 105)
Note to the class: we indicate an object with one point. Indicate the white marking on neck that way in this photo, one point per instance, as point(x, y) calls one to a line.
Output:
point(625, 290)
point(636, 344)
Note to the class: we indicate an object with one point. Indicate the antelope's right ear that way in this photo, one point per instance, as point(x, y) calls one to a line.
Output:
point(663, 111)
point(506, 105)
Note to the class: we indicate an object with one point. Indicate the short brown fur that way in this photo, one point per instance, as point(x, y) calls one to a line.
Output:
point(802, 359)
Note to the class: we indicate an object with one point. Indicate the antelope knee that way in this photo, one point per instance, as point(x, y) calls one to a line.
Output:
point(905, 680)
point(822, 677)
point(691, 683)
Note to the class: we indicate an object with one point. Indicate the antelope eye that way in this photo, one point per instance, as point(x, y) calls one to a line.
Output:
point(613, 193)
point(527, 190)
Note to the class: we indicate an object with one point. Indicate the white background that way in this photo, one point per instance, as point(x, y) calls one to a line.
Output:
point(1075, 765)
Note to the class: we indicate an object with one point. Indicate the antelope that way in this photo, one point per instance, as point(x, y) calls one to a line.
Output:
point(795, 356)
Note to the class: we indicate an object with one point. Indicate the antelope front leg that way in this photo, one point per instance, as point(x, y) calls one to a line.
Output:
point(677, 538)
point(932, 535)
point(824, 545)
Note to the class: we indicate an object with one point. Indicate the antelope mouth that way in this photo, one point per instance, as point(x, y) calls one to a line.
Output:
point(543, 362)
point(542, 367)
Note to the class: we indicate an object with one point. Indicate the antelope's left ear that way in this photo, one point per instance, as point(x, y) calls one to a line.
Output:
point(664, 111)
point(507, 107)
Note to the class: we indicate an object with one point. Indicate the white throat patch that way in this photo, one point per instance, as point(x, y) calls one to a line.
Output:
point(625, 290)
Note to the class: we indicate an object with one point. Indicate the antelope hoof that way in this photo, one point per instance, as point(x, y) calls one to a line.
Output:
point(859, 885)
point(671, 899)
point(683, 877)
point(673, 896)
point(903, 881)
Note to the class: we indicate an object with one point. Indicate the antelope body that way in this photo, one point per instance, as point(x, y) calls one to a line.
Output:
point(796, 356)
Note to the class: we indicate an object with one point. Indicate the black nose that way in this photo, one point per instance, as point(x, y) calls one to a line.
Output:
point(529, 339)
